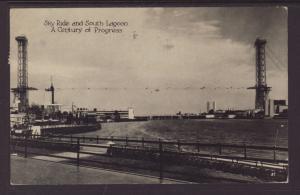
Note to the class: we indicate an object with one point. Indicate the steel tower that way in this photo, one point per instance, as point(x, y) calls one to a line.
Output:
point(261, 88)
point(21, 92)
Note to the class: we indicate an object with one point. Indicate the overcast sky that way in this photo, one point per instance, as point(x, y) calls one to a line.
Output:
point(166, 60)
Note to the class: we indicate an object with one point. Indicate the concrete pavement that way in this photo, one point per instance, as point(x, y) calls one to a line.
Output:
point(41, 172)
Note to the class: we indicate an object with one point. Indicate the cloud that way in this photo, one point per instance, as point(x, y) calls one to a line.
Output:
point(176, 48)
point(239, 24)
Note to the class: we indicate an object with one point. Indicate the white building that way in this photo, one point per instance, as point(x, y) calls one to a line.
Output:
point(274, 107)
point(52, 108)
point(130, 113)
point(17, 119)
point(107, 114)
point(211, 106)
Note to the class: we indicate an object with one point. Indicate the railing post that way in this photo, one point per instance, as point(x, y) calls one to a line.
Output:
point(97, 139)
point(220, 149)
point(143, 144)
point(274, 153)
point(112, 138)
point(12, 142)
point(78, 151)
point(160, 162)
point(25, 147)
point(245, 151)
point(126, 140)
point(198, 147)
point(71, 138)
point(178, 145)
point(83, 139)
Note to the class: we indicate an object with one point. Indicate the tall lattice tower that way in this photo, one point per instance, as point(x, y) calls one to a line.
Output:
point(262, 90)
point(21, 92)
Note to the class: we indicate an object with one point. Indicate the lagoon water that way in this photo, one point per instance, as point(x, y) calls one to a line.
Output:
point(269, 132)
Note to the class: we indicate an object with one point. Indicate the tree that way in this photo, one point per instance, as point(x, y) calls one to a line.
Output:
point(36, 110)
point(211, 111)
point(116, 116)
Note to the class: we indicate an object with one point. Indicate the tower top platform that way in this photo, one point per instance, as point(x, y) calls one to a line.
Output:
point(21, 38)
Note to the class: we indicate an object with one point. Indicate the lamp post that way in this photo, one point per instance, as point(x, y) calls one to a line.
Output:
point(275, 144)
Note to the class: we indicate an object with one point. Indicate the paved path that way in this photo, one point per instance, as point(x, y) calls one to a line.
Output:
point(40, 172)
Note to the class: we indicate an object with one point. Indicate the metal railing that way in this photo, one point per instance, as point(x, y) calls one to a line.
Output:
point(159, 151)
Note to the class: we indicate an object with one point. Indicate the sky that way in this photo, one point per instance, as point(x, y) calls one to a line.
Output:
point(165, 60)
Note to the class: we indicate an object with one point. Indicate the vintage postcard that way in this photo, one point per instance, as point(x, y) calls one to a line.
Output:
point(173, 95)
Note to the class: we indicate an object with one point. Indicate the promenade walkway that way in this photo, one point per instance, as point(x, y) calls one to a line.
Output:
point(40, 172)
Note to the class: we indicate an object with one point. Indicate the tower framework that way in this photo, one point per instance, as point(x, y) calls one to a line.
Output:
point(21, 91)
point(261, 87)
